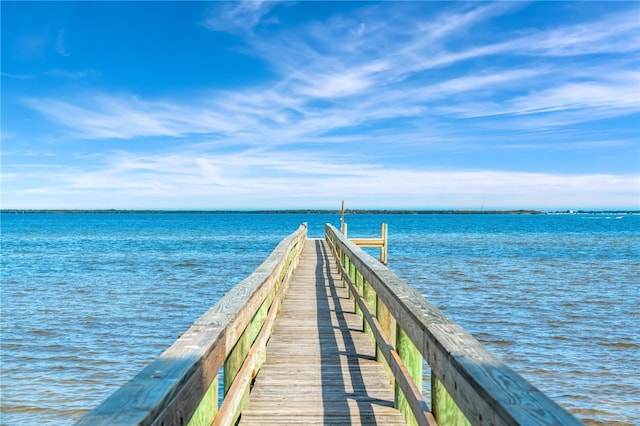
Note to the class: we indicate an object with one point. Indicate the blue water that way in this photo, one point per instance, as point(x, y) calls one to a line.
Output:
point(89, 299)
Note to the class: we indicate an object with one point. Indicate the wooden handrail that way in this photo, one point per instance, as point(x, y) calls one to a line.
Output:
point(381, 242)
point(469, 384)
point(400, 374)
point(181, 386)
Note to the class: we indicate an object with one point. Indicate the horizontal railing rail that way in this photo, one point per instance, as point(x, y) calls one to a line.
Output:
point(382, 242)
point(469, 385)
point(181, 386)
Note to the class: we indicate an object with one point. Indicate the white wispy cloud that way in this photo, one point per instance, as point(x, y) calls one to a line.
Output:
point(365, 87)
point(208, 181)
point(98, 116)
point(237, 16)
point(617, 33)
point(348, 94)
point(27, 76)
point(617, 93)
point(72, 75)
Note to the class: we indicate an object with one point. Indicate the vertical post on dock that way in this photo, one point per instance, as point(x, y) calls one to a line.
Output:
point(370, 296)
point(412, 359)
point(343, 226)
point(207, 409)
point(384, 236)
point(444, 408)
point(388, 325)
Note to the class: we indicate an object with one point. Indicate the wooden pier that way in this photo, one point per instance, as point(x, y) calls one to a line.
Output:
point(323, 333)
point(321, 367)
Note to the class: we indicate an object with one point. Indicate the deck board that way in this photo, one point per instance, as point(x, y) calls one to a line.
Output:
point(320, 366)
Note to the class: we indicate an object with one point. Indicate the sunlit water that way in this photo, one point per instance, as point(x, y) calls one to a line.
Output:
point(89, 299)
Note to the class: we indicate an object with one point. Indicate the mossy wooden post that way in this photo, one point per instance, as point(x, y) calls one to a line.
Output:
point(234, 362)
point(352, 271)
point(354, 274)
point(443, 407)
point(371, 298)
point(412, 359)
point(208, 407)
point(256, 325)
point(258, 319)
point(359, 282)
point(347, 266)
point(388, 325)
point(342, 255)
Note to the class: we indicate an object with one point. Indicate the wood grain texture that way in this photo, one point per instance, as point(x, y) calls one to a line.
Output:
point(320, 366)
point(483, 387)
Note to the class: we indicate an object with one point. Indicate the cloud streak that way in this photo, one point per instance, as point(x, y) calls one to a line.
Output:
point(364, 104)
point(367, 88)
point(237, 16)
point(232, 181)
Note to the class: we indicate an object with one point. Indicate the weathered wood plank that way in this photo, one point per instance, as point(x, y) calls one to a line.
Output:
point(367, 242)
point(320, 366)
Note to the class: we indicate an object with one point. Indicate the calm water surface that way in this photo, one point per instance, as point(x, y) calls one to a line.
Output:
point(89, 299)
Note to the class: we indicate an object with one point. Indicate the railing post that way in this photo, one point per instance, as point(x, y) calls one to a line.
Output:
point(443, 407)
point(359, 282)
point(346, 262)
point(370, 297)
point(412, 359)
point(353, 273)
point(388, 325)
point(384, 236)
point(234, 362)
point(208, 407)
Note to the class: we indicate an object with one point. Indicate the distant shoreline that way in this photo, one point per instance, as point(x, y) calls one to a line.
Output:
point(319, 211)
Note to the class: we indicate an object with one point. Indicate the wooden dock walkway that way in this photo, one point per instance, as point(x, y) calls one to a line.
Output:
point(286, 346)
point(320, 366)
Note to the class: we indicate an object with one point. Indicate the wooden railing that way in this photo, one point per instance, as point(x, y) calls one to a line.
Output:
point(382, 242)
point(469, 385)
point(181, 386)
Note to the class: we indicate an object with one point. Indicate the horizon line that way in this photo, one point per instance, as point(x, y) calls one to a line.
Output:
point(326, 211)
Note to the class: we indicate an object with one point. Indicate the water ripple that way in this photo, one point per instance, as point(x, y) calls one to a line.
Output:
point(88, 300)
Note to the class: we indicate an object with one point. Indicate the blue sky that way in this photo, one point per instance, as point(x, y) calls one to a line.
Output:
point(242, 105)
